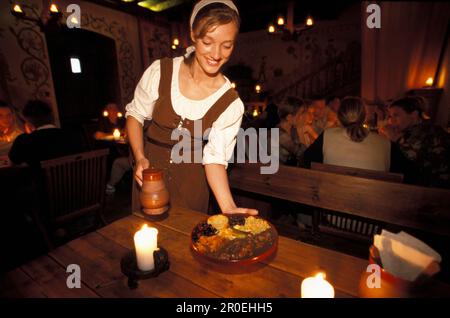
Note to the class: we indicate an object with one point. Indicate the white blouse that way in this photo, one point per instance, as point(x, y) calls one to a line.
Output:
point(222, 136)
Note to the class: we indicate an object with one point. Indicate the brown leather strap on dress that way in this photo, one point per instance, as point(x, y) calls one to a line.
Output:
point(165, 81)
point(220, 106)
point(215, 111)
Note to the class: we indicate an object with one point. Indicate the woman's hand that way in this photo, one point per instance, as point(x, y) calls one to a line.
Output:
point(140, 166)
point(241, 211)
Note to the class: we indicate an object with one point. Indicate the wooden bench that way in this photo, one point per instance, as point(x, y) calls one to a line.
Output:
point(421, 208)
point(356, 172)
point(344, 224)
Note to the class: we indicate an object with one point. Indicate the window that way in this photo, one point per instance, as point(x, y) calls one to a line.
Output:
point(75, 64)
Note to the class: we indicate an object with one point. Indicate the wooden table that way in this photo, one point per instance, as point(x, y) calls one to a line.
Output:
point(99, 253)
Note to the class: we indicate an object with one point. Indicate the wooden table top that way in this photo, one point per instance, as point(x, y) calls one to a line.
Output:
point(98, 254)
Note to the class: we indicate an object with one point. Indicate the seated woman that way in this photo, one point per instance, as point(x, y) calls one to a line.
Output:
point(427, 146)
point(8, 128)
point(291, 149)
point(305, 124)
point(352, 145)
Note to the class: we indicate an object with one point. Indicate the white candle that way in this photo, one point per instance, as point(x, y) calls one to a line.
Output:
point(317, 287)
point(145, 242)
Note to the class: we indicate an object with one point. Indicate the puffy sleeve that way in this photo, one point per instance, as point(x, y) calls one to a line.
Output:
point(222, 137)
point(145, 94)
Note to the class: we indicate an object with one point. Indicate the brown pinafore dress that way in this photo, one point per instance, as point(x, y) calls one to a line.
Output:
point(186, 182)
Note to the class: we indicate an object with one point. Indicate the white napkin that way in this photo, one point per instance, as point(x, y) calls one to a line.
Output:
point(403, 255)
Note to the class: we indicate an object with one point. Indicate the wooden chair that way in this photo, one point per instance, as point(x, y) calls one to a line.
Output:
point(341, 223)
point(74, 188)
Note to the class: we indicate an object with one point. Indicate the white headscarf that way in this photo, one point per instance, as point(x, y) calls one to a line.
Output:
point(200, 5)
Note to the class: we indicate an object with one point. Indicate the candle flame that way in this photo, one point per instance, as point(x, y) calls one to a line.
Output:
point(320, 275)
point(146, 229)
point(271, 29)
point(174, 47)
point(54, 8)
point(309, 21)
point(280, 21)
point(176, 41)
point(233, 85)
point(258, 88)
point(255, 113)
point(116, 133)
point(105, 113)
point(429, 81)
point(17, 9)
point(119, 114)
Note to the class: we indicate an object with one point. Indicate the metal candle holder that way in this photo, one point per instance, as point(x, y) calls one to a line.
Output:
point(129, 267)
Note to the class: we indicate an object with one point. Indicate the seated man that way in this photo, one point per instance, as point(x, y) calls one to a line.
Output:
point(321, 111)
point(43, 139)
point(333, 103)
point(291, 149)
point(8, 128)
point(425, 145)
point(107, 124)
point(119, 167)
point(112, 119)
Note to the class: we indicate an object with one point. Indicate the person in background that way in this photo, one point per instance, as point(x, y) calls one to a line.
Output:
point(291, 149)
point(353, 145)
point(43, 139)
point(333, 103)
point(119, 167)
point(305, 121)
point(332, 120)
point(107, 124)
point(272, 118)
point(111, 120)
point(8, 128)
point(425, 145)
point(320, 114)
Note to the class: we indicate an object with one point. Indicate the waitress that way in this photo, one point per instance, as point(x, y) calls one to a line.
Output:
point(175, 94)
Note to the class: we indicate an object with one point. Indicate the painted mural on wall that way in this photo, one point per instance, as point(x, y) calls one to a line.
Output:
point(5, 74)
point(24, 50)
point(24, 54)
point(156, 41)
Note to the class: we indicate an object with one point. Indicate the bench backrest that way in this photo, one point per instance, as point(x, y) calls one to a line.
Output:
point(356, 172)
point(422, 208)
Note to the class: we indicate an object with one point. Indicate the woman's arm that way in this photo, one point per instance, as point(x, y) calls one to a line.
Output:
point(101, 135)
point(136, 139)
point(218, 181)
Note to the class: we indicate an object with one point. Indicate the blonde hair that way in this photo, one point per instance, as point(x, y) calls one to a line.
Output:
point(352, 115)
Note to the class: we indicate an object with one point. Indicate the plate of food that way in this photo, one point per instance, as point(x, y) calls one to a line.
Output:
point(237, 238)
